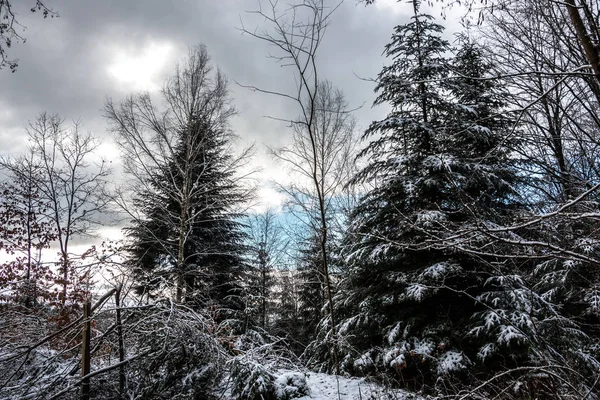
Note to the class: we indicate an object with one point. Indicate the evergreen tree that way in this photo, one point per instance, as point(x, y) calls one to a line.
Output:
point(531, 313)
point(311, 292)
point(267, 243)
point(213, 253)
point(188, 239)
point(287, 322)
point(301, 296)
point(440, 169)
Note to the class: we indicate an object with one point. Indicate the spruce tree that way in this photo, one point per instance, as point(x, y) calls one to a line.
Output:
point(186, 240)
point(529, 313)
point(287, 323)
point(311, 288)
point(440, 169)
point(213, 254)
point(266, 244)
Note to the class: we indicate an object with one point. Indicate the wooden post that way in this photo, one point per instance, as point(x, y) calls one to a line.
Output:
point(85, 350)
point(120, 338)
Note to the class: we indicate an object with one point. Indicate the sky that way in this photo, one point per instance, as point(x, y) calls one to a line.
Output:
point(105, 49)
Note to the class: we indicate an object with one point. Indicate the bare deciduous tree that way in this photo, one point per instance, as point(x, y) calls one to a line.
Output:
point(583, 18)
point(70, 179)
point(72, 182)
point(24, 232)
point(534, 53)
point(297, 34)
point(334, 129)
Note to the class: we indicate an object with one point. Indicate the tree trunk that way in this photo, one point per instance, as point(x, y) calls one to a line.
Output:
point(85, 350)
point(121, 341)
point(585, 40)
point(180, 253)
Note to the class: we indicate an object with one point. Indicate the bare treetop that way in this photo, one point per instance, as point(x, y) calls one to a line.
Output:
point(9, 26)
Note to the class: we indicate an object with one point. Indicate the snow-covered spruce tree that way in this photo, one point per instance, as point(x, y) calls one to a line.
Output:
point(440, 168)
point(212, 254)
point(311, 291)
point(553, 306)
point(287, 323)
point(213, 249)
point(266, 245)
point(519, 324)
point(302, 296)
point(185, 236)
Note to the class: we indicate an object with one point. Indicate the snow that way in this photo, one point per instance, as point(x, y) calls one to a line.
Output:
point(486, 351)
point(349, 324)
point(394, 333)
point(325, 387)
point(364, 362)
point(391, 122)
point(379, 252)
point(509, 334)
point(570, 264)
point(308, 385)
point(482, 130)
point(428, 217)
point(416, 292)
point(521, 320)
point(449, 362)
point(424, 346)
point(507, 280)
point(440, 162)
point(592, 297)
point(398, 161)
point(398, 362)
point(492, 319)
point(291, 385)
point(468, 109)
point(439, 270)
point(587, 245)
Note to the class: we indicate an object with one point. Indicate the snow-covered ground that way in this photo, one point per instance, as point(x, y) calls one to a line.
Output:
point(331, 387)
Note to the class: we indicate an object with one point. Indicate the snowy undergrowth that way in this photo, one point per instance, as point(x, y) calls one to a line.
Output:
point(266, 370)
point(328, 387)
point(306, 385)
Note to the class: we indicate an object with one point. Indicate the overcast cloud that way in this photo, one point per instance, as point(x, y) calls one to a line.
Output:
point(112, 48)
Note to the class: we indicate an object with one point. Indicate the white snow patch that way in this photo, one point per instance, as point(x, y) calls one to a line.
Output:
point(486, 351)
point(429, 217)
point(440, 162)
point(398, 362)
point(482, 130)
point(450, 362)
point(394, 333)
point(509, 334)
point(416, 292)
point(570, 264)
point(325, 387)
point(439, 270)
point(364, 362)
point(424, 347)
point(291, 385)
point(492, 319)
point(468, 109)
point(592, 297)
point(588, 245)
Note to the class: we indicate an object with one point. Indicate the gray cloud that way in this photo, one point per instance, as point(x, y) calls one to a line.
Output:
point(64, 63)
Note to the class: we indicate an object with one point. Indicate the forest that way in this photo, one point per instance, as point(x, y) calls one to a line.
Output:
point(448, 250)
